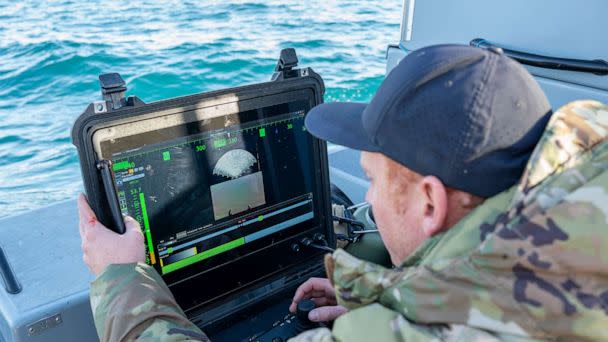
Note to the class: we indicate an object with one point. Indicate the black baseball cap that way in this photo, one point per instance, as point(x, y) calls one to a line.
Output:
point(469, 116)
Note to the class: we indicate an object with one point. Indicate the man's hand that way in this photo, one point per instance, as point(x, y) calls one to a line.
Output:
point(320, 291)
point(102, 247)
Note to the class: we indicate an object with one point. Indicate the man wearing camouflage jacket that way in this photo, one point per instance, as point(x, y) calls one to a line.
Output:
point(460, 123)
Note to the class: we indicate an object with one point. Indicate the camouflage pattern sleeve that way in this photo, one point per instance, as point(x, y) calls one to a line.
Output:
point(131, 302)
point(377, 323)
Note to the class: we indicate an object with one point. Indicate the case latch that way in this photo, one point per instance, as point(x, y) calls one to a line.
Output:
point(285, 68)
point(113, 89)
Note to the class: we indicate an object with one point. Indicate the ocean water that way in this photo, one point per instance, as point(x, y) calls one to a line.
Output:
point(51, 53)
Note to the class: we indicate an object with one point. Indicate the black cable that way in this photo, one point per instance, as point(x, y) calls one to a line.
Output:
point(343, 237)
point(307, 242)
point(349, 221)
point(323, 248)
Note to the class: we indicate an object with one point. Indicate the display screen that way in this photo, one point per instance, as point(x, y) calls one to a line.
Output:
point(209, 192)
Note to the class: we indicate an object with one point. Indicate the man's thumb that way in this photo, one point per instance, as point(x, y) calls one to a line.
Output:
point(326, 313)
point(131, 225)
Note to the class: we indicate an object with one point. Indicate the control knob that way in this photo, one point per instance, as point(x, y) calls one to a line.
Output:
point(305, 306)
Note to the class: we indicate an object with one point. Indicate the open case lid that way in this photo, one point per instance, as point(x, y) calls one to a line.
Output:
point(235, 252)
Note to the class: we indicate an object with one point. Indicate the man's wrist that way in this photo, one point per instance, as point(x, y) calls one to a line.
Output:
point(113, 271)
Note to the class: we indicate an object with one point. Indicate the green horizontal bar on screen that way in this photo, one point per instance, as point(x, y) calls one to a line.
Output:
point(203, 255)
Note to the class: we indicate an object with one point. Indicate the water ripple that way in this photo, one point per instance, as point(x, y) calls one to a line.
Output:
point(51, 54)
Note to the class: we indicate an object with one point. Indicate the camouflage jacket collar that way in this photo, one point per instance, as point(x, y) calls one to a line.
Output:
point(365, 282)
point(530, 262)
point(422, 251)
point(466, 234)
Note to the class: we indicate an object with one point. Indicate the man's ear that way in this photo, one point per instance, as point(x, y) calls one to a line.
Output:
point(435, 199)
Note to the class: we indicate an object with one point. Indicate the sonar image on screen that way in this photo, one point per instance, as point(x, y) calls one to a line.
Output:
point(237, 195)
point(243, 190)
point(207, 194)
point(234, 163)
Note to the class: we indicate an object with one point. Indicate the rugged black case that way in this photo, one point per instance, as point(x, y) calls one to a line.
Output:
point(90, 121)
point(286, 79)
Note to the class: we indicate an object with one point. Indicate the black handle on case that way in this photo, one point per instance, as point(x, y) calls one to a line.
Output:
point(105, 167)
point(11, 284)
point(598, 66)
